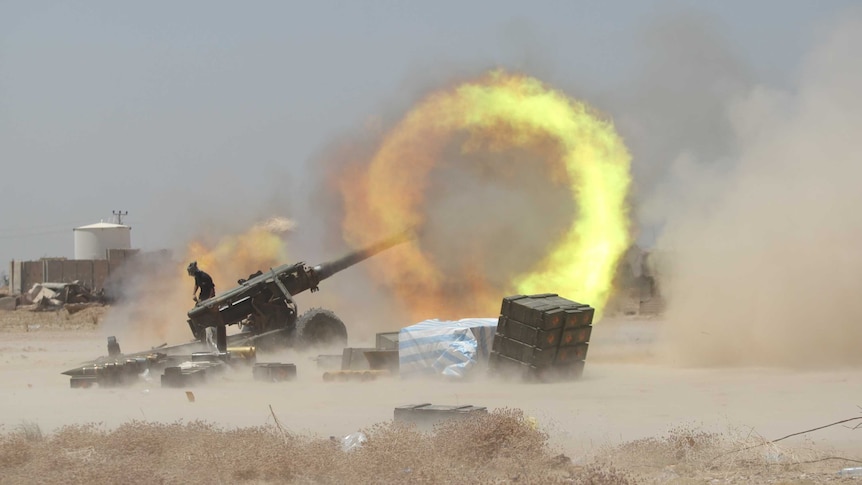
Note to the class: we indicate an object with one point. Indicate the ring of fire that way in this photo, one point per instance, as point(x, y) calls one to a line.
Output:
point(498, 111)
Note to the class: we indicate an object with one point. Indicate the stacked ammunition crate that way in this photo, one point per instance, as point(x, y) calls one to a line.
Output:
point(541, 337)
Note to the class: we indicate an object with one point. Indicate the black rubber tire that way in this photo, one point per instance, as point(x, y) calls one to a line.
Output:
point(319, 327)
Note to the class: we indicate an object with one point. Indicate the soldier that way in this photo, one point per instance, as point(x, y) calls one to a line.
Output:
point(203, 282)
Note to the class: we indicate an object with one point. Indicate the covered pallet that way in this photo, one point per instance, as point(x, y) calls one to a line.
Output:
point(447, 348)
point(541, 337)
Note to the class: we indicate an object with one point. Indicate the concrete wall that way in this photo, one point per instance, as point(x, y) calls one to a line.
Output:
point(92, 273)
point(14, 276)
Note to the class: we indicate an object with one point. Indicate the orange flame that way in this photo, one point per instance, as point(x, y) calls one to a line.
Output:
point(495, 113)
point(237, 256)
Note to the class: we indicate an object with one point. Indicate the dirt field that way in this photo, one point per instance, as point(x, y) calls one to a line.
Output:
point(635, 417)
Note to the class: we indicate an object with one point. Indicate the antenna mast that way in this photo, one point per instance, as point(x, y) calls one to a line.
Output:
point(120, 215)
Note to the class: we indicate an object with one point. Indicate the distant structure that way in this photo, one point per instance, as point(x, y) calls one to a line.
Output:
point(100, 250)
point(95, 240)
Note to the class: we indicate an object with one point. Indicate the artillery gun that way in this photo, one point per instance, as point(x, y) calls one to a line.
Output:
point(263, 304)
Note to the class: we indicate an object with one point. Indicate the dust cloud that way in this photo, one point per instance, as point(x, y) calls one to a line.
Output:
point(152, 306)
point(764, 253)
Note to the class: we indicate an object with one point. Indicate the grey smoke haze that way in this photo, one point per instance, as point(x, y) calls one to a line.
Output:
point(765, 259)
point(675, 108)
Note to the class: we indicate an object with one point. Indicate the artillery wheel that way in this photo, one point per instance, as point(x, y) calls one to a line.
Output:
point(319, 327)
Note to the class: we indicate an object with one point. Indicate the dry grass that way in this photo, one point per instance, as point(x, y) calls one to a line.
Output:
point(501, 447)
point(687, 454)
point(25, 320)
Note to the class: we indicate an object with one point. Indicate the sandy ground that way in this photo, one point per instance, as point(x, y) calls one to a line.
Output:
point(627, 394)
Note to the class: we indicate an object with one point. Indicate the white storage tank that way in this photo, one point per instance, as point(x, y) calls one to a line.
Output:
point(94, 241)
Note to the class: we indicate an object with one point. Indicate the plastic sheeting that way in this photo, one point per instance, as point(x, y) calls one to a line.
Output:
point(448, 348)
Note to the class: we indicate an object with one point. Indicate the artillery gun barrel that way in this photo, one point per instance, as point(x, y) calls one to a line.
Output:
point(287, 280)
point(325, 270)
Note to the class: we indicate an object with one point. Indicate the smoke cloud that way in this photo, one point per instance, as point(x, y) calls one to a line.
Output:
point(764, 265)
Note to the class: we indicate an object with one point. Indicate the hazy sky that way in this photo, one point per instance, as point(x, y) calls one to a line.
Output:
point(180, 111)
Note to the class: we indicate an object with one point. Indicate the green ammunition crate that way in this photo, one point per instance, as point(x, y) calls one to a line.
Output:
point(546, 311)
point(507, 367)
point(527, 334)
point(524, 353)
point(579, 317)
point(577, 335)
point(571, 353)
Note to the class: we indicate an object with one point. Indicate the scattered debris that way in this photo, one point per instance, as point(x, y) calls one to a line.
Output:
point(9, 303)
point(851, 472)
point(73, 296)
point(353, 441)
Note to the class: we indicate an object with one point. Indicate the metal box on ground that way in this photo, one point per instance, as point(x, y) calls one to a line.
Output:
point(274, 372)
point(178, 377)
point(386, 341)
point(353, 358)
point(428, 415)
point(383, 360)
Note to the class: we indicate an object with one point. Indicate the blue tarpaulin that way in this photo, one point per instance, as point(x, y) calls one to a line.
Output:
point(448, 348)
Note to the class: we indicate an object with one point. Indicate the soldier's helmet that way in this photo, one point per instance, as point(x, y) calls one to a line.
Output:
point(193, 267)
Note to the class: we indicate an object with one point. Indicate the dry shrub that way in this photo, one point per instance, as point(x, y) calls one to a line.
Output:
point(15, 451)
point(501, 435)
point(681, 445)
point(16, 448)
point(500, 447)
point(735, 456)
point(31, 431)
point(597, 474)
